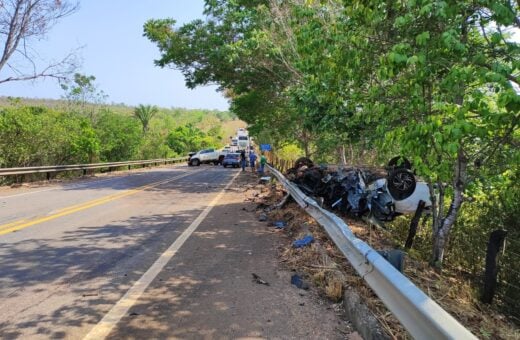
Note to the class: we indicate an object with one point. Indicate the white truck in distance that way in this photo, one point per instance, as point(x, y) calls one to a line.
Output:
point(243, 138)
point(207, 156)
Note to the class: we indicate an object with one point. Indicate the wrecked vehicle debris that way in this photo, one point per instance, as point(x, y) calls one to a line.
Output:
point(380, 193)
point(258, 279)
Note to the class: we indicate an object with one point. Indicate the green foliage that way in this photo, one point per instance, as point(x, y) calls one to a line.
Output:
point(82, 94)
point(119, 136)
point(145, 113)
point(188, 138)
point(290, 152)
point(49, 133)
point(32, 136)
point(435, 81)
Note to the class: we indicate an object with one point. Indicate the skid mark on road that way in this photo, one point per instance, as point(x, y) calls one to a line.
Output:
point(21, 224)
point(120, 309)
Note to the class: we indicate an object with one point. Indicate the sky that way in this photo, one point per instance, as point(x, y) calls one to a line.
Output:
point(109, 35)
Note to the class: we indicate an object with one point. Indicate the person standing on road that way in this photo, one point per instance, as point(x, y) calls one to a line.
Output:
point(263, 161)
point(243, 160)
point(252, 159)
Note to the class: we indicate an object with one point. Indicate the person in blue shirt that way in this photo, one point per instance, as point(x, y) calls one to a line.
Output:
point(252, 159)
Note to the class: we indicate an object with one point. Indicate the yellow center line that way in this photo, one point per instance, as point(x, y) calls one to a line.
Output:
point(24, 223)
point(12, 223)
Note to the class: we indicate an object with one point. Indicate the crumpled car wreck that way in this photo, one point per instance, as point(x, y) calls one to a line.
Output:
point(380, 193)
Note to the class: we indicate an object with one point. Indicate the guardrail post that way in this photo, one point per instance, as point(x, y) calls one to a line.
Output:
point(84, 172)
point(48, 176)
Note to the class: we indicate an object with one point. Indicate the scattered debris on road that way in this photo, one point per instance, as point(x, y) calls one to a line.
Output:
point(308, 239)
point(279, 224)
point(299, 282)
point(258, 279)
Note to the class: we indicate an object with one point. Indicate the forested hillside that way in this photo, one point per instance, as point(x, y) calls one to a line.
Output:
point(51, 132)
point(363, 81)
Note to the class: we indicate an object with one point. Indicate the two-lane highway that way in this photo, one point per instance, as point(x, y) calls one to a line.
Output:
point(69, 253)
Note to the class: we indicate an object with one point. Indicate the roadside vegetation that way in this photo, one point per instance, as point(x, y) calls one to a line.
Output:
point(363, 81)
point(47, 132)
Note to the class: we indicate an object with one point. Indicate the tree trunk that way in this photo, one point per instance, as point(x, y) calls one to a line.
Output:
point(496, 241)
point(440, 237)
point(413, 224)
point(342, 160)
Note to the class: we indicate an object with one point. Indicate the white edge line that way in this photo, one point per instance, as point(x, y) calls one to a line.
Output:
point(120, 309)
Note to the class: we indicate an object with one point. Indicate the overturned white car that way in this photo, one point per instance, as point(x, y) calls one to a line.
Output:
point(361, 192)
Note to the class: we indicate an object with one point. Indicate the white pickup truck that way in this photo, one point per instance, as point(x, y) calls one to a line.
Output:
point(207, 156)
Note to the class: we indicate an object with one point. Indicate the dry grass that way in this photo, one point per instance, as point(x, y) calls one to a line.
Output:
point(323, 264)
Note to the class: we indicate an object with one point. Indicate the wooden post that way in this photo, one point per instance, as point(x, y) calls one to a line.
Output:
point(413, 224)
point(496, 241)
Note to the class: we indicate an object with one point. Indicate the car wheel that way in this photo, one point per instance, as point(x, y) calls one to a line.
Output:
point(401, 183)
point(400, 162)
point(195, 162)
point(303, 161)
point(224, 165)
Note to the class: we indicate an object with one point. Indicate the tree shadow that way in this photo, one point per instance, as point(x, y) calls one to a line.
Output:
point(59, 287)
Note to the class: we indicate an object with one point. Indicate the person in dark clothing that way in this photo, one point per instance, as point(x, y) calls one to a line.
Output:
point(243, 160)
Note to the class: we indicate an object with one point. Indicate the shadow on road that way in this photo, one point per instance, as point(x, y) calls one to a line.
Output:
point(62, 286)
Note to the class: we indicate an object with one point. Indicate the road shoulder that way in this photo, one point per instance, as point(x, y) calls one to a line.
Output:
point(208, 289)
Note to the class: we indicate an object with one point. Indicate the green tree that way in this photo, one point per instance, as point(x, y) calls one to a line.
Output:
point(145, 113)
point(119, 136)
point(35, 136)
point(83, 95)
point(188, 138)
point(431, 79)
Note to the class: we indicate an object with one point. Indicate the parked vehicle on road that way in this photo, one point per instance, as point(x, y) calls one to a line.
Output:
point(190, 154)
point(206, 156)
point(243, 142)
point(231, 159)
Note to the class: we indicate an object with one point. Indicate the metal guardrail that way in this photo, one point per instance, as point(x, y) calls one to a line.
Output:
point(58, 168)
point(422, 317)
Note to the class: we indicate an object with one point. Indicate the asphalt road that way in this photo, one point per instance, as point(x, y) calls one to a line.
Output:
point(162, 253)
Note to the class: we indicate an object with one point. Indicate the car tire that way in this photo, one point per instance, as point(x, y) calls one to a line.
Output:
point(401, 183)
point(400, 162)
point(224, 165)
point(303, 161)
point(195, 162)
